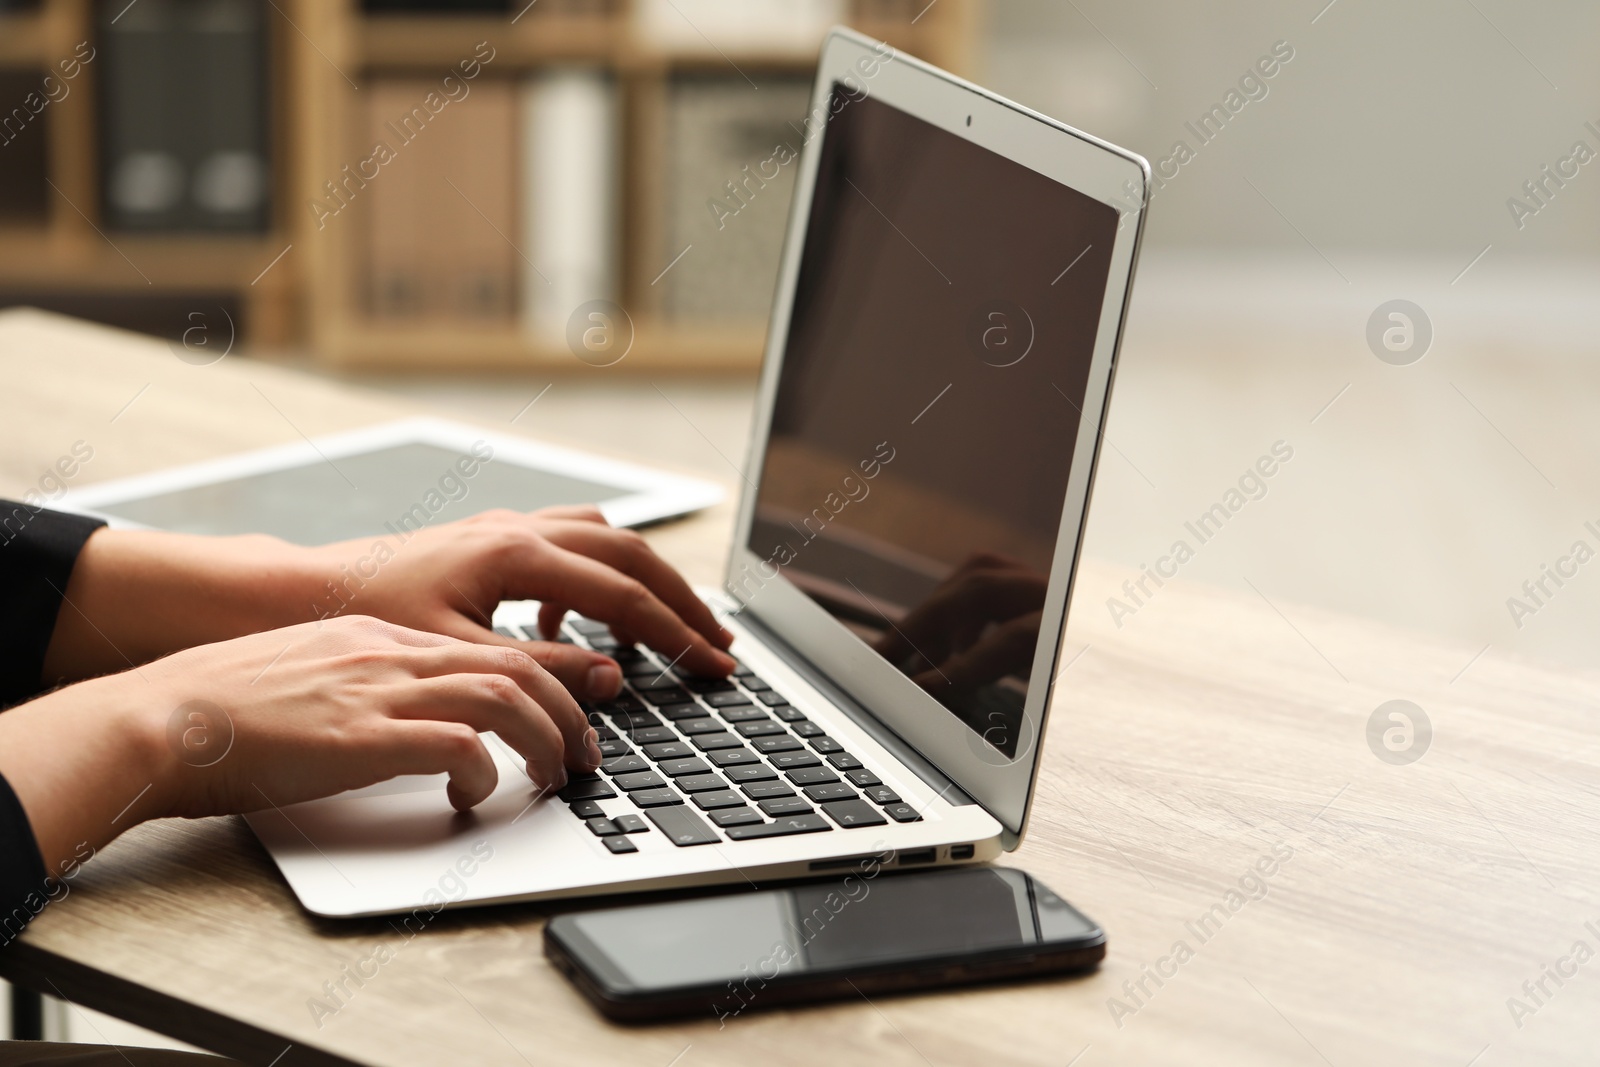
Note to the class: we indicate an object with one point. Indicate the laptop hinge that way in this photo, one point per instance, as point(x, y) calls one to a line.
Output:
point(936, 779)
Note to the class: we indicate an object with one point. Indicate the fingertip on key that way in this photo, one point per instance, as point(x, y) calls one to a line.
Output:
point(604, 681)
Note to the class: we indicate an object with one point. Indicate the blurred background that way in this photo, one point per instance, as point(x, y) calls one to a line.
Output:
point(205, 170)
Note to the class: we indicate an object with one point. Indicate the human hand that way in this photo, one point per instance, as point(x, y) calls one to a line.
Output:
point(136, 595)
point(300, 713)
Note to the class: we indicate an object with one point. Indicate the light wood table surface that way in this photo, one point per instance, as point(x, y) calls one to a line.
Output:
point(1415, 900)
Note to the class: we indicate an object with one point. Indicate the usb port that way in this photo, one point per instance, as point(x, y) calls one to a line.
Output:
point(921, 855)
point(961, 852)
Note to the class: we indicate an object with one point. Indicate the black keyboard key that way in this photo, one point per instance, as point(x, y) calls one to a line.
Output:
point(668, 750)
point(587, 788)
point(786, 806)
point(733, 757)
point(601, 730)
point(666, 696)
point(682, 826)
point(621, 705)
point(631, 824)
point(785, 761)
point(710, 685)
point(630, 656)
point(788, 714)
point(607, 645)
point(812, 776)
point(511, 632)
point(853, 813)
point(789, 824)
point(827, 794)
point(862, 777)
point(602, 827)
point(700, 783)
point(620, 845)
point(690, 727)
point(675, 768)
point(615, 747)
point(588, 627)
point(674, 712)
point(742, 713)
point(652, 735)
point(624, 764)
point(826, 745)
point(639, 780)
point(588, 809)
point(759, 729)
point(808, 729)
point(767, 790)
point(784, 743)
point(845, 762)
point(772, 699)
point(713, 742)
point(628, 721)
point(655, 798)
point(742, 671)
point(725, 699)
point(881, 794)
point(735, 817)
point(902, 813)
point(722, 798)
point(754, 684)
point(750, 772)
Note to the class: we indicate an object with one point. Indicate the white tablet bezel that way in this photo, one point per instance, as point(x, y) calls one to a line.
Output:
point(650, 495)
point(1106, 173)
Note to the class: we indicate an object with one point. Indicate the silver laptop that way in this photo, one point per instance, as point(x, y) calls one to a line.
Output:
point(941, 349)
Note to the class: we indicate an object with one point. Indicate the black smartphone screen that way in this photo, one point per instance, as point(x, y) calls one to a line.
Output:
point(847, 926)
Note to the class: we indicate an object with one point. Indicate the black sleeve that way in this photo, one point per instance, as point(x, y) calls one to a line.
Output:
point(23, 891)
point(37, 551)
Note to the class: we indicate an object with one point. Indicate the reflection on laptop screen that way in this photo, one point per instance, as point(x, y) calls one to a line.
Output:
point(922, 435)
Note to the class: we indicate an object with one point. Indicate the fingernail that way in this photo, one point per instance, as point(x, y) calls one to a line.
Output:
point(605, 681)
point(591, 744)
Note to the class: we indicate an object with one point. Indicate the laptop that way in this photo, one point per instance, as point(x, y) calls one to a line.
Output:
point(942, 343)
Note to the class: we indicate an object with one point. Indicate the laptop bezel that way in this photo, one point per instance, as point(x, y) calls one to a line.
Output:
point(1002, 785)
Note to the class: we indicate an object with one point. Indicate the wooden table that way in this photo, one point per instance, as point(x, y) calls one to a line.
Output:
point(1212, 728)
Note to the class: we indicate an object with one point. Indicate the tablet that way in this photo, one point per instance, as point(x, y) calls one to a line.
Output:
point(383, 479)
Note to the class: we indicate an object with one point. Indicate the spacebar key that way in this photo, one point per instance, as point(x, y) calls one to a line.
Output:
point(682, 826)
point(789, 824)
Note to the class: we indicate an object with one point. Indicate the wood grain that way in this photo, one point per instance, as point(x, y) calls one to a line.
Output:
point(1184, 746)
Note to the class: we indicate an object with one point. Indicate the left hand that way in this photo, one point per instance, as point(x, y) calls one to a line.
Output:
point(137, 595)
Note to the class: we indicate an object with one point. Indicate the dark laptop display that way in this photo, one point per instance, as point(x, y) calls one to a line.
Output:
point(927, 409)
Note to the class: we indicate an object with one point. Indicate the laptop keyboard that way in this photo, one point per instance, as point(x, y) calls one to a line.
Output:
point(706, 760)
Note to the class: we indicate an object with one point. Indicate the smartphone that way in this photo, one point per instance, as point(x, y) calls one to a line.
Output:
point(721, 956)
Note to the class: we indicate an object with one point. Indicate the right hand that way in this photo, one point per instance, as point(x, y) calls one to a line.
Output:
point(320, 708)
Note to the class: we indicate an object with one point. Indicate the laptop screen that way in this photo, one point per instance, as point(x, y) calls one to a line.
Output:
point(944, 319)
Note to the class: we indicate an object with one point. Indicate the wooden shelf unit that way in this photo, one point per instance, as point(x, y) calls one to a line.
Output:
point(322, 51)
point(70, 252)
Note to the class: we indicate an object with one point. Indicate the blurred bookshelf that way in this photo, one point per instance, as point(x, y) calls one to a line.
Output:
point(565, 151)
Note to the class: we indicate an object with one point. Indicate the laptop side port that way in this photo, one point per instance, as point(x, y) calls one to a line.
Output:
point(918, 855)
point(962, 852)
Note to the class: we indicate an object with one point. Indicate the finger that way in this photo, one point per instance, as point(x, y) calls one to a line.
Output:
point(587, 675)
point(622, 601)
point(490, 702)
point(409, 747)
point(632, 555)
point(550, 619)
point(510, 662)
